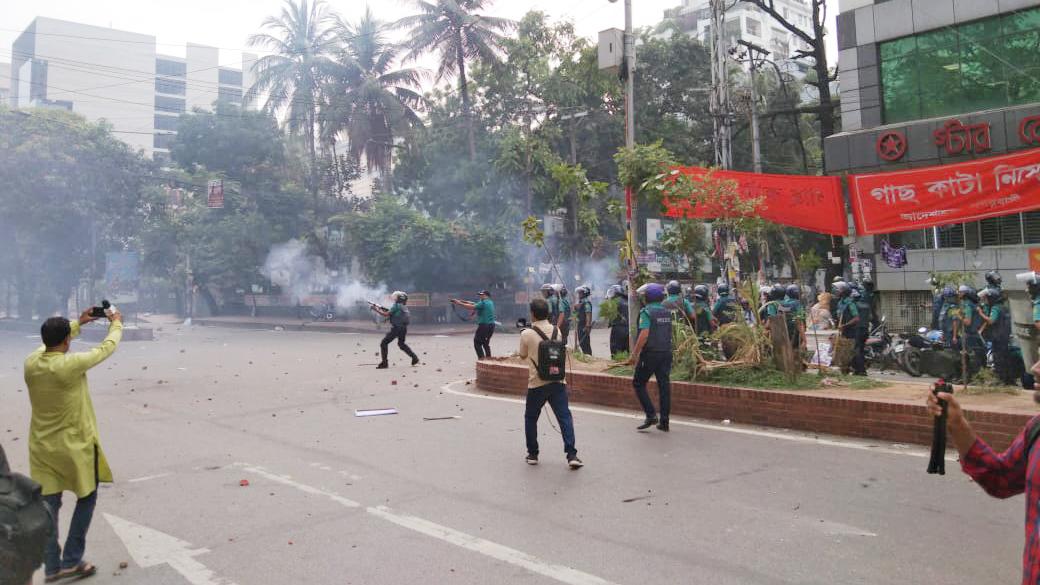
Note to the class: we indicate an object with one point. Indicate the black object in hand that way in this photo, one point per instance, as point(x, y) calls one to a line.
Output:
point(99, 312)
point(522, 323)
point(937, 462)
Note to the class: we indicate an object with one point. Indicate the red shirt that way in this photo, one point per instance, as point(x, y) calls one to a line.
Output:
point(1008, 474)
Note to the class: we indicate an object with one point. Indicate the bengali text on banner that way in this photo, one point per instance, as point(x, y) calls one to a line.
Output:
point(811, 203)
point(920, 198)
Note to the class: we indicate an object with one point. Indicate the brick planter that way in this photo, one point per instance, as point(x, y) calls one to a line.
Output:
point(803, 411)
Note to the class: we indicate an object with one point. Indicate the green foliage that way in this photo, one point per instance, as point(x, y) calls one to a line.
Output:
point(245, 146)
point(809, 262)
point(533, 233)
point(608, 309)
point(638, 165)
point(953, 279)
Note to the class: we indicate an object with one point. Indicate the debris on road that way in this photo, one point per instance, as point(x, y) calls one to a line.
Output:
point(375, 412)
point(244, 483)
point(637, 498)
point(124, 565)
point(440, 417)
point(393, 382)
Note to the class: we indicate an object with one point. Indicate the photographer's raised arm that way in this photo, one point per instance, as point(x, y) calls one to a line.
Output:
point(88, 359)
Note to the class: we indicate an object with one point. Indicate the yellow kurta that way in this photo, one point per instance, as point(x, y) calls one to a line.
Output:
point(64, 451)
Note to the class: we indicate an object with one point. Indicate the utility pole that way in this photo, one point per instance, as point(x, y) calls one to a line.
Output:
point(720, 103)
point(631, 221)
point(755, 54)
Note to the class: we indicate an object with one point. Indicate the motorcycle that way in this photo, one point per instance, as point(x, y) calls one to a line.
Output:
point(879, 350)
point(925, 353)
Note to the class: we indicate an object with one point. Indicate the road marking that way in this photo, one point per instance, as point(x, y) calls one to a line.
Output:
point(148, 477)
point(849, 444)
point(150, 548)
point(286, 480)
point(450, 535)
point(487, 548)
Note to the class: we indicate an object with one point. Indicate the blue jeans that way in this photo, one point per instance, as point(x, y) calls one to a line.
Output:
point(659, 365)
point(556, 395)
point(76, 541)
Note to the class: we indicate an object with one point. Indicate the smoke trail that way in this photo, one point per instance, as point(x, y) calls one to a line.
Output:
point(300, 275)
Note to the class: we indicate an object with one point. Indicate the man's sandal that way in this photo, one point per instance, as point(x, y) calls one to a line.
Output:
point(80, 571)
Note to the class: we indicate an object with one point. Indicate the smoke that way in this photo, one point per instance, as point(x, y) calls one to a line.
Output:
point(301, 275)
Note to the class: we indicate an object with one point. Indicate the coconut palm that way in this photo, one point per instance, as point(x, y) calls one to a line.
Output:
point(368, 99)
point(455, 30)
point(301, 40)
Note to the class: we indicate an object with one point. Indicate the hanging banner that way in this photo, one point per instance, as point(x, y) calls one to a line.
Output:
point(921, 198)
point(215, 200)
point(810, 203)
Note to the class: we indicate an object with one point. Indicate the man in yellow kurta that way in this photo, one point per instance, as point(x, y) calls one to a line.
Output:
point(64, 450)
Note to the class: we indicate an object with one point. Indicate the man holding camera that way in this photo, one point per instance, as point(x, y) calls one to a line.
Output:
point(540, 390)
point(64, 448)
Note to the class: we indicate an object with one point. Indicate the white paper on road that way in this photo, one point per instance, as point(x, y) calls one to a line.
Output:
point(375, 412)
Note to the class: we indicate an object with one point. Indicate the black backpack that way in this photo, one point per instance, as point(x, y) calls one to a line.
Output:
point(552, 356)
point(25, 526)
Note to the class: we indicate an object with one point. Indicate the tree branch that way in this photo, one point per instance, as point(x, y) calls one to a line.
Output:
point(769, 8)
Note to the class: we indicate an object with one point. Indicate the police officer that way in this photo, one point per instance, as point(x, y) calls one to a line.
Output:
point(549, 294)
point(704, 321)
point(583, 313)
point(563, 311)
point(996, 329)
point(619, 323)
point(948, 314)
point(727, 309)
point(652, 355)
point(971, 322)
point(485, 312)
point(937, 303)
point(1033, 288)
point(794, 315)
point(772, 298)
point(849, 324)
point(399, 318)
point(676, 303)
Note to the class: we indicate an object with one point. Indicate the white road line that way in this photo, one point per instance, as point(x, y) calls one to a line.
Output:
point(487, 548)
point(850, 444)
point(286, 480)
point(461, 539)
point(148, 477)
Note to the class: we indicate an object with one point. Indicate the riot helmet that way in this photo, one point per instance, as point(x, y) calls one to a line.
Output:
point(674, 287)
point(654, 292)
point(700, 292)
point(794, 291)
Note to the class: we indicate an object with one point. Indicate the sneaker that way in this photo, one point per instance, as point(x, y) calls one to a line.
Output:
point(383, 366)
point(532, 459)
point(573, 462)
point(648, 423)
point(663, 426)
point(415, 361)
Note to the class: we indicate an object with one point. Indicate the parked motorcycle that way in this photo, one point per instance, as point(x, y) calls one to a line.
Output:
point(925, 354)
point(879, 350)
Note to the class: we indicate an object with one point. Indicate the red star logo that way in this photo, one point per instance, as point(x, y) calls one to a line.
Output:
point(891, 145)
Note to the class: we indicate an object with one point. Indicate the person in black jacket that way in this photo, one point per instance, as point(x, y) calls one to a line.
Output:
point(619, 324)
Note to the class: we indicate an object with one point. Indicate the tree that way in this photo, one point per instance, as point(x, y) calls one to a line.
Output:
point(301, 41)
point(367, 98)
point(815, 40)
point(456, 30)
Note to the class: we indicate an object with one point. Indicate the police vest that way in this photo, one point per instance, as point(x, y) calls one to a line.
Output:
point(727, 311)
point(1000, 330)
point(400, 318)
point(660, 338)
point(621, 320)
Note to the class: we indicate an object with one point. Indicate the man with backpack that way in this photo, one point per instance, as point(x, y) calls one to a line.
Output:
point(652, 355)
point(545, 350)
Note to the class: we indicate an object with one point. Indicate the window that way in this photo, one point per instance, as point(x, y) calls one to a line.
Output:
point(230, 77)
point(164, 140)
point(165, 122)
point(949, 236)
point(752, 26)
point(229, 94)
point(173, 86)
point(1031, 226)
point(170, 68)
point(1001, 231)
point(169, 104)
point(974, 66)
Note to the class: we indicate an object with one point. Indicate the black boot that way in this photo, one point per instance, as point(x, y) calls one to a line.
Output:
point(663, 426)
point(382, 366)
point(415, 360)
point(649, 422)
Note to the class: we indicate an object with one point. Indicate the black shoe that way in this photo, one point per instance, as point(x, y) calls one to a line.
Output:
point(415, 360)
point(573, 462)
point(663, 426)
point(383, 366)
point(648, 423)
point(532, 459)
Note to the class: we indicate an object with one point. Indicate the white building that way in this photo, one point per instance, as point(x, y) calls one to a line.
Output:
point(746, 22)
point(119, 76)
point(5, 82)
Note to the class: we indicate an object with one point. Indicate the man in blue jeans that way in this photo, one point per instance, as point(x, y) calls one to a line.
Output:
point(540, 391)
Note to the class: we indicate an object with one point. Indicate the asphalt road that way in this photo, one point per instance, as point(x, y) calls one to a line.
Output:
point(334, 498)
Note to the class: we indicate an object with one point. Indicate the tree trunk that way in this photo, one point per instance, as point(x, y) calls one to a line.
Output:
point(467, 112)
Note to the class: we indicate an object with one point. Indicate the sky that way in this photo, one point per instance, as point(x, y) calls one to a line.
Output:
point(228, 23)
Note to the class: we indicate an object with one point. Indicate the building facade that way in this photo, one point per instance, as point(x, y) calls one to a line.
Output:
point(120, 77)
point(746, 22)
point(908, 69)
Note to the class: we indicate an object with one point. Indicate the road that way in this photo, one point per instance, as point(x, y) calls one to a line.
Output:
point(333, 498)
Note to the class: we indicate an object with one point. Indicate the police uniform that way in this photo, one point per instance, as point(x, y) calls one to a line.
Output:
point(399, 318)
point(971, 338)
point(619, 328)
point(679, 304)
point(485, 309)
point(998, 333)
point(794, 313)
point(847, 311)
point(655, 360)
point(564, 308)
point(726, 310)
point(702, 318)
point(583, 313)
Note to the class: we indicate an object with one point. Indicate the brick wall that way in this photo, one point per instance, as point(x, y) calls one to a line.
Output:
point(890, 422)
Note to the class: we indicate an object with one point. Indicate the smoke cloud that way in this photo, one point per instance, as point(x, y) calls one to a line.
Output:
point(300, 275)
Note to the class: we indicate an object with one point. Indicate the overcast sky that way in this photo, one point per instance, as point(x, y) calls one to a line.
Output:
point(228, 23)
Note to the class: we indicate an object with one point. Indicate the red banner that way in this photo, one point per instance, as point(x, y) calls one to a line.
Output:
point(921, 198)
point(811, 203)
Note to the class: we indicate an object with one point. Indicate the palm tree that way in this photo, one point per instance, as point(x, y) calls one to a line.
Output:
point(453, 28)
point(301, 41)
point(367, 98)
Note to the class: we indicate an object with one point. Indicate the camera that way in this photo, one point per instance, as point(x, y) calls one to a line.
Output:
point(99, 312)
point(522, 323)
